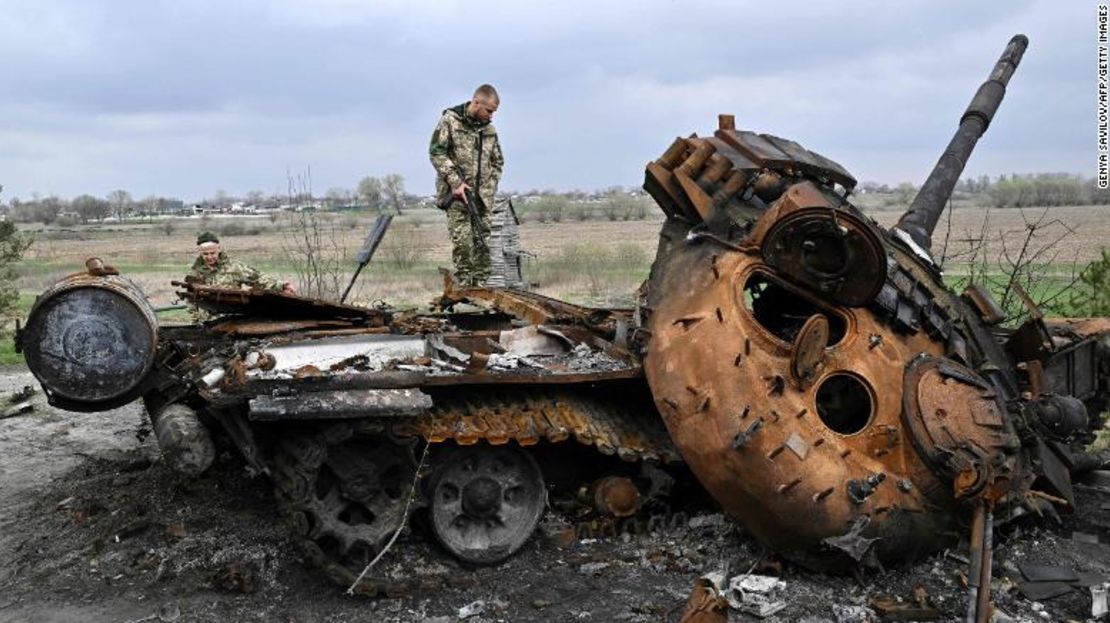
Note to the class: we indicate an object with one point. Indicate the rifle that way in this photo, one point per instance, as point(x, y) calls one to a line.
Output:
point(473, 203)
point(373, 239)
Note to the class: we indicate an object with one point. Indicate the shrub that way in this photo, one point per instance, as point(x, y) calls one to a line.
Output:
point(232, 228)
point(1092, 294)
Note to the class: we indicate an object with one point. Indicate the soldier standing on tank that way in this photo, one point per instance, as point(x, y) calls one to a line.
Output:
point(213, 267)
point(467, 156)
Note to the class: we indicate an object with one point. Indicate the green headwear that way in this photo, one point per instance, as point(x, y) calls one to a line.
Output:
point(207, 237)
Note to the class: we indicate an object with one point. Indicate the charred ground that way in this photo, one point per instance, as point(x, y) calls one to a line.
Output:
point(96, 527)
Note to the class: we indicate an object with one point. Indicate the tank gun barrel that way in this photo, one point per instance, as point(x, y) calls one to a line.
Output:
point(921, 218)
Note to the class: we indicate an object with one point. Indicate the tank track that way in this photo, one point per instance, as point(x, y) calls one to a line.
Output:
point(372, 461)
point(619, 427)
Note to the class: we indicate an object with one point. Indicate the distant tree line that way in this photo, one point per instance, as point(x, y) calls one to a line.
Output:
point(1010, 191)
point(382, 194)
point(86, 208)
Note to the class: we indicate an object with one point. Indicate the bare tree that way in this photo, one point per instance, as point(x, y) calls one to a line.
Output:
point(337, 197)
point(120, 202)
point(393, 187)
point(313, 245)
point(1005, 260)
point(370, 192)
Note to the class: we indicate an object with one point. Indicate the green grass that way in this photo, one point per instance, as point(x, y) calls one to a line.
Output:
point(1051, 291)
point(8, 356)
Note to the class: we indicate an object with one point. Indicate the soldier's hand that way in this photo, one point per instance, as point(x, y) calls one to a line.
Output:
point(460, 192)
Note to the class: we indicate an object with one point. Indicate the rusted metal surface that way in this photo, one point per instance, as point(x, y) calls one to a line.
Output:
point(833, 253)
point(980, 298)
point(614, 426)
point(782, 323)
point(979, 567)
point(955, 420)
point(244, 328)
point(538, 309)
point(615, 496)
point(273, 305)
point(1079, 327)
point(709, 363)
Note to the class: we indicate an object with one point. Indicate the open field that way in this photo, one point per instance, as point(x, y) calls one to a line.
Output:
point(593, 262)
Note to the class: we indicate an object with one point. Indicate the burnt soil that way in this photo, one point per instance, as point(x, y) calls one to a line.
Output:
point(94, 527)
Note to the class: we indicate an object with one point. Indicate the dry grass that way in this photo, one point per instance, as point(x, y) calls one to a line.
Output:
point(595, 262)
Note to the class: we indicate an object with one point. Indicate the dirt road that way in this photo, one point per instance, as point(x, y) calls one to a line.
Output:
point(94, 528)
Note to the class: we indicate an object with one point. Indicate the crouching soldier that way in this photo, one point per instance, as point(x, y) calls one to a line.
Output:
point(213, 267)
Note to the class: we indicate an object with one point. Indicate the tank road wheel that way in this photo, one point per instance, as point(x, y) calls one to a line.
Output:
point(485, 501)
point(346, 492)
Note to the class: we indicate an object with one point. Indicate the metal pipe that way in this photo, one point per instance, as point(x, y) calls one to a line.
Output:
point(975, 559)
point(921, 218)
point(983, 608)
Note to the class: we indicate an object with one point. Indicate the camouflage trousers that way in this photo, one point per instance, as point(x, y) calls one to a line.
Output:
point(472, 262)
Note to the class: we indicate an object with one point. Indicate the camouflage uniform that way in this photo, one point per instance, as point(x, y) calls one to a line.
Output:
point(228, 272)
point(466, 150)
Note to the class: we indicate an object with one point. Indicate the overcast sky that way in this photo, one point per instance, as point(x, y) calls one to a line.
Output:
point(182, 98)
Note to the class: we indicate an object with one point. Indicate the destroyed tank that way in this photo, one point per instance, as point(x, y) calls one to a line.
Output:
point(360, 415)
point(810, 368)
point(822, 381)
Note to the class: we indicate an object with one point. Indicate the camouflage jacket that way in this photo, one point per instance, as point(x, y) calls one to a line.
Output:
point(465, 150)
point(229, 272)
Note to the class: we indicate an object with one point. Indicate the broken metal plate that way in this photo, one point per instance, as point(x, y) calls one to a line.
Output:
point(1048, 573)
point(326, 352)
point(530, 341)
point(272, 305)
point(1040, 591)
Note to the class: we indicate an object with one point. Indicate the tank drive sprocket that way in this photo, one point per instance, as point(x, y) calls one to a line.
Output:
point(344, 488)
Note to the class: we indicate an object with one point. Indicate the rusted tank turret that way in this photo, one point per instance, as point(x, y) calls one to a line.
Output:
point(815, 372)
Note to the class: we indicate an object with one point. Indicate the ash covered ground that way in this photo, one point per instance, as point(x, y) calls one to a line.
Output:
point(95, 528)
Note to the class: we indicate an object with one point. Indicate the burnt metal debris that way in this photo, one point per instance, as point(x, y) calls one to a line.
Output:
point(810, 368)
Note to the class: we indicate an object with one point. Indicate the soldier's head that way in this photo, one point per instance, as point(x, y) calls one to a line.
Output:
point(208, 248)
point(484, 103)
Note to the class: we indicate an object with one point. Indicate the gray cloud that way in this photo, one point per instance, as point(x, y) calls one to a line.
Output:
point(184, 98)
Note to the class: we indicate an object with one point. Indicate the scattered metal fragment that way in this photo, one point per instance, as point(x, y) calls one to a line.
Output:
point(1041, 591)
point(22, 408)
point(853, 542)
point(758, 595)
point(705, 604)
point(918, 608)
point(1099, 607)
point(472, 609)
point(1047, 573)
